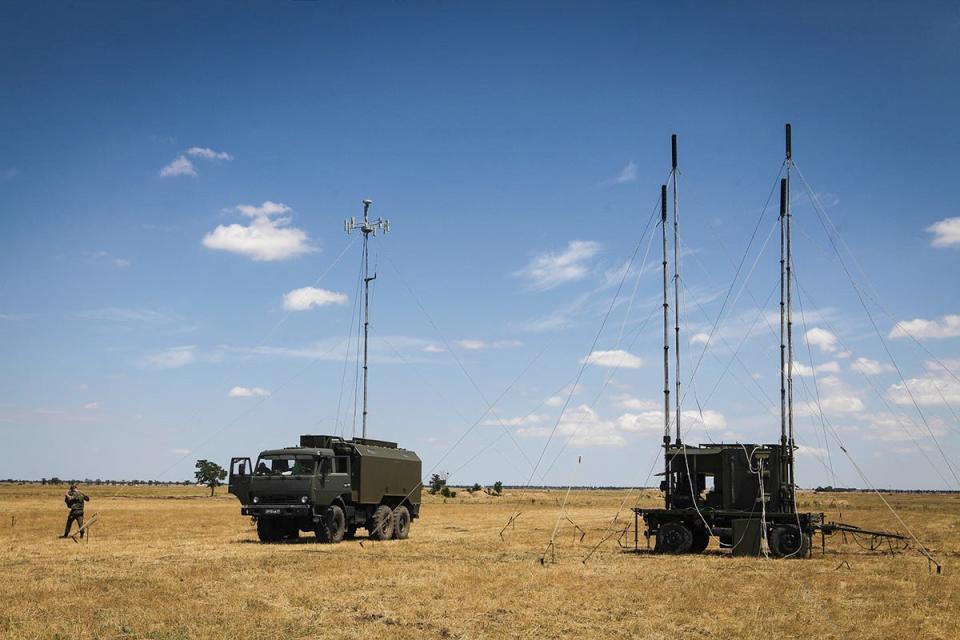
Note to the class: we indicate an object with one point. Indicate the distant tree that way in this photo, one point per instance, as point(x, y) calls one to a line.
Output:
point(210, 474)
point(447, 493)
point(438, 481)
point(498, 488)
point(43, 481)
point(55, 480)
point(476, 487)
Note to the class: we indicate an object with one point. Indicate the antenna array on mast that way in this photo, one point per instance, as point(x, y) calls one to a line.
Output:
point(367, 227)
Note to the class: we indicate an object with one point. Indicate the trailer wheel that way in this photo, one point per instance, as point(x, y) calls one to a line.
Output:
point(788, 541)
point(268, 531)
point(401, 523)
point(701, 539)
point(332, 527)
point(673, 537)
point(381, 523)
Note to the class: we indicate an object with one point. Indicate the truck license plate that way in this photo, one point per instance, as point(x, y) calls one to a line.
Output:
point(272, 511)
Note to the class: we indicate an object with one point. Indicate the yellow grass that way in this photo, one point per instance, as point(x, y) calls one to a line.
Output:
point(169, 563)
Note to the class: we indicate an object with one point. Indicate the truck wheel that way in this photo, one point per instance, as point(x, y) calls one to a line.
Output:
point(788, 541)
point(701, 539)
point(268, 531)
point(401, 523)
point(673, 537)
point(332, 527)
point(350, 533)
point(381, 523)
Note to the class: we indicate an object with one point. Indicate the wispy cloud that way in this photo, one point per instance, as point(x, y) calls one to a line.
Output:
point(946, 232)
point(9, 173)
point(248, 392)
point(179, 166)
point(172, 358)
point(268, 237)
point(309, 297)
point(920, 328)
point(613, 358)
point(473, 344)
point(208, 154)
point(627, 174)
point(134, 316)
point(105, 256)
point(869, 367)
point(183, 166)
point(549, 270)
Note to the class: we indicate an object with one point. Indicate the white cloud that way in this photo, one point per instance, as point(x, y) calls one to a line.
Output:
point(804, 371)
point(92, 405)
point(248, 392)
point(472, 344)
point(627, 174)
point(208, 154)
point(432, 348)
point(583, 427)
point(266, 238)
point(105, 256)
point(180, 452)
point(931, 391)
point(180, 166)
point(171, 358)
point(892, 427)
point(519, 421)
point(627, 401)
point(309, 297)
point(946, 232)
point(549, 270)
point(823, 339)
point(613, 358)
point(835, 397)
point(811, 452)
point(554, 401)
point(869, 367)
point(699, 338)
point(919, 328)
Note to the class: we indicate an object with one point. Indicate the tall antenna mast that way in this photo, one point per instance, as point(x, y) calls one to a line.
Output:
point(783, 317)
point(367, 227)
point(788, 216)
point(666, 346)
point(676, 277)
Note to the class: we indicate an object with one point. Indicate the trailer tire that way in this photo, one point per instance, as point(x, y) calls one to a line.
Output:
point(673, 537)
point(381, 523)
point(701, 540)
point(788, 541)
point(268, 531)
point(401, 523)
point(332, 527)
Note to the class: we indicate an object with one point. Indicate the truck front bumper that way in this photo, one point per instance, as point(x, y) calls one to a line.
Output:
point(277, 510)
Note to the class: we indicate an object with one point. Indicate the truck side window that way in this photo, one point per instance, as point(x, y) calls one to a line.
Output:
point(343, 464)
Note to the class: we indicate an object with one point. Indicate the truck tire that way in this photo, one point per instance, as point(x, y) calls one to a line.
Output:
point(701, 539)
point(381, 523)
point(673, 537)
point(333, 526)
point(401, 523)
point(269, 531)
point(787, 541)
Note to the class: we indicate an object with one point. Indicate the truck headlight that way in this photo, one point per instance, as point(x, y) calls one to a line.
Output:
point(256, 500)
point(304, 499)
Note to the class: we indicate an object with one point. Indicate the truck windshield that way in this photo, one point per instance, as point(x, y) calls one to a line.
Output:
point(285, 465)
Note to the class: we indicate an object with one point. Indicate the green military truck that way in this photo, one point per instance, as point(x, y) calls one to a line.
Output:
point(330, 486)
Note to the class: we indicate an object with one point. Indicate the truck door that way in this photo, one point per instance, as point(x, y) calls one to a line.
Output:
point(239, 483)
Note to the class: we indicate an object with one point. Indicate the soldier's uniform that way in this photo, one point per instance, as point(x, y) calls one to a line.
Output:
point(74, 501)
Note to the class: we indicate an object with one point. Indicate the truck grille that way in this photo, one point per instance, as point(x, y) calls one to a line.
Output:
point(274, 499)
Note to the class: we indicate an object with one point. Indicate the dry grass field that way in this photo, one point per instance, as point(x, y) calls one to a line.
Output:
point(168, 562)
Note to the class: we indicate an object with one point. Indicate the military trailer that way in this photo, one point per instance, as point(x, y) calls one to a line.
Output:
point(739, 493)
point(330, 486)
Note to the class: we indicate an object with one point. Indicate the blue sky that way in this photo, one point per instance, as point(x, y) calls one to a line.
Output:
point(172, 174)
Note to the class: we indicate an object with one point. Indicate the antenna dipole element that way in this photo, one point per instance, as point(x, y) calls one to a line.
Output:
point(789, 275)
point(367, 228)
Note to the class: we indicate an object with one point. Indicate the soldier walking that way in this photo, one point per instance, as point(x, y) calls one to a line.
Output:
point(74, 500)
